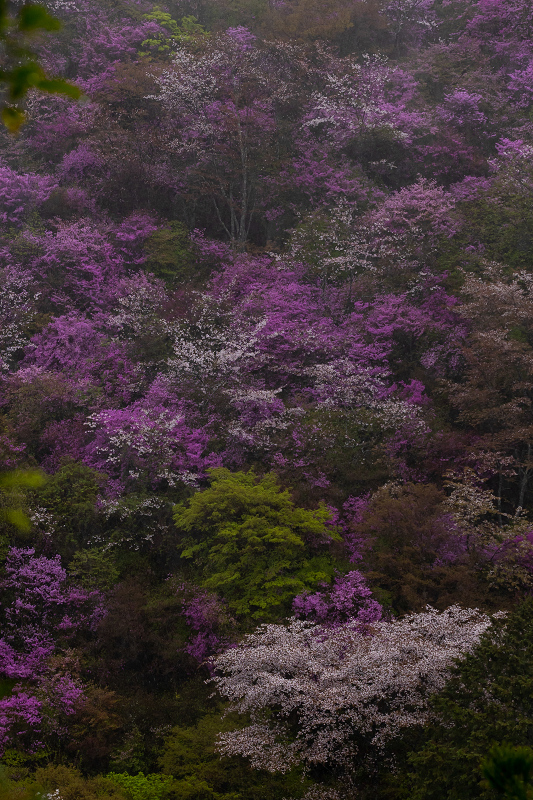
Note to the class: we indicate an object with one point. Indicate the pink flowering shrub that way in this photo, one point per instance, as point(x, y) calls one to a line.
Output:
point(21, 194)
point(41, 615)
point(348, 599)
point(153, 440)
point(207, 616)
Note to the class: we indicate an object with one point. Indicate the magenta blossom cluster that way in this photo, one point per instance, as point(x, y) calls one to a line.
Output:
point(42, 614)
point(349, 598)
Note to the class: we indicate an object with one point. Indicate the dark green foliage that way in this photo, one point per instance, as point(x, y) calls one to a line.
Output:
point(503, 225)
point(227, 13)
point(190, 756)
point(140, 529)
point(141, 635)
point(33, 405)
point(97, 730)
point(70, 497)
point(169, 255)
point(406, 530)
point(94, 569)
point(487, 702)
point(248, 541)
point(348, 444)
point(71, 785)
point(508, 771)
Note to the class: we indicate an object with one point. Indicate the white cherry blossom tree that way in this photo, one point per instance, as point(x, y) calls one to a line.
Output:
point(317, 696)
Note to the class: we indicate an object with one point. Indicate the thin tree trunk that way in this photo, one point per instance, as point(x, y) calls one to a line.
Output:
point(524, 479)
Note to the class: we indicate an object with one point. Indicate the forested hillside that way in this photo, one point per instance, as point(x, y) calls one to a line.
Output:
point(266, 386)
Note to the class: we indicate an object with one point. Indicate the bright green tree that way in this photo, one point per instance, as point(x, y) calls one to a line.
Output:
point(141, 786)
point(172, 33)
point(247, 540)
point(12, 500)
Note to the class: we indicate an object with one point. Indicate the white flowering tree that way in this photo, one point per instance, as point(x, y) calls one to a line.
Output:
point(16, 312)
point(329, 697)
point(224, 100)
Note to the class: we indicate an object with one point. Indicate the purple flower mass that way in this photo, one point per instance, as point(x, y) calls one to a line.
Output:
point(41, 613)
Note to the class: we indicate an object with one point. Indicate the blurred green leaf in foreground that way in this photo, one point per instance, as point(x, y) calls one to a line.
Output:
point(509, 771)
point(20, 70)
point(11, 484)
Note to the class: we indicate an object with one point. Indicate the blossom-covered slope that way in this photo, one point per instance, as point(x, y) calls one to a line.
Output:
point(266, 328)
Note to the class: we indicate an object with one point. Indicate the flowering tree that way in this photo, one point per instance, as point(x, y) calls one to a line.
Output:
point(209, 621)
point(326, 696)
point(347, 599)
point(16, 312)
point(41, 612)
point(150, 441)
point(223, 102)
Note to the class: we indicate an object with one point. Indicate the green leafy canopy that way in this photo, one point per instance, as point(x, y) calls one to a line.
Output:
point(248, 541)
